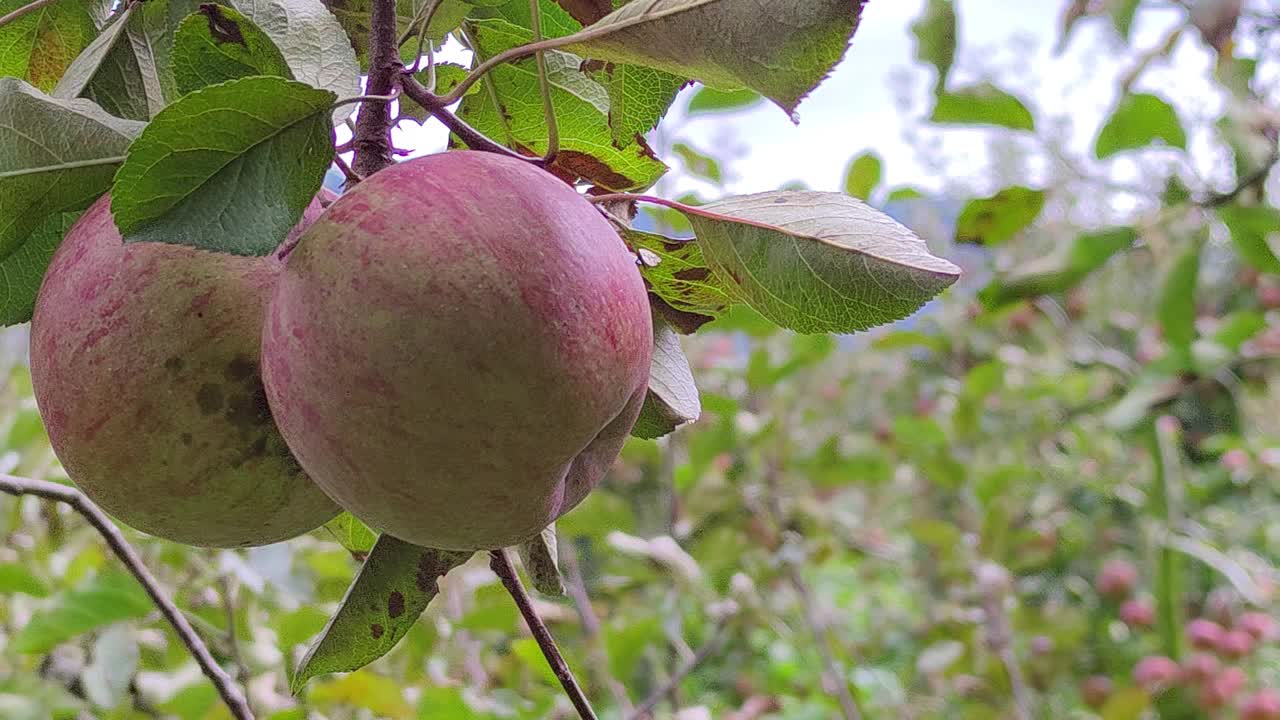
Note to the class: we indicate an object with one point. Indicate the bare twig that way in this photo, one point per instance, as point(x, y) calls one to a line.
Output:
point(1246, 182)
point(471, 137)
point(372, 139)
point(500, 562)
point(709, 648)
point(25, 9)
point(428, 11)
point(228, 593)
point(226, 687)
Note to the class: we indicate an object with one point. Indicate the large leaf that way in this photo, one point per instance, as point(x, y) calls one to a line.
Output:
point(312, 42)
point(993, 220)
point(816, 261)
point(678, 274)
point(128, 69)
point(108, 599)
point(982, 104)
point(673, 398)
point(394, 586)
point(781, 49)
point(935, 33)
point(39, 46)
point(1253, 230)
point(219, 44)
point(55, 156)
point(227, 168)
point(586, 141)
point(1139, 120)
point(22, 272)
point(1061, 271)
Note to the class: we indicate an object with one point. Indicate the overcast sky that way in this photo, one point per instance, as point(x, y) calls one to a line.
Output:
point(855, 110)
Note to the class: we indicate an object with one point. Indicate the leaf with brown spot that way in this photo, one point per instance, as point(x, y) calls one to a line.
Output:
point(393, 587)
point(217, 44)
point(682, 277)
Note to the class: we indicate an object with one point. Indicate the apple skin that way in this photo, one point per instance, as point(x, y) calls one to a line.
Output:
point(144, 360)
point(457, 351)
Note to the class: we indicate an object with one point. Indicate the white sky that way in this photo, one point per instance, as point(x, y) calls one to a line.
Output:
point(1010, 43)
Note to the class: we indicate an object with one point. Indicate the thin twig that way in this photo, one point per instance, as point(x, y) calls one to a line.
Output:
point(428, 11)
point(709, 648)
point(226, 687)
point(500, 562)
point(23, 11)
point(1245, 183)
point(372, 139)
point(544, 85)
point(470, 137)
point(233, 643)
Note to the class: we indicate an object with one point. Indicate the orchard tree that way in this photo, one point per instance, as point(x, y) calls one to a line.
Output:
point(454, 350)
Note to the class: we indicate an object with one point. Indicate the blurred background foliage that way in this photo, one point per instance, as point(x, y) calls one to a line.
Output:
point(1052, 493)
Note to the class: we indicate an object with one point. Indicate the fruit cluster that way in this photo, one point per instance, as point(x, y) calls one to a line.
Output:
point(455, 351)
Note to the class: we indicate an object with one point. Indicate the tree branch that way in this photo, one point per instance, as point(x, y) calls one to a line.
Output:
point(372, 139)
point(500, 562)
point(472, 138)
point(25, 9)
point(709, 648)
point(227, 689)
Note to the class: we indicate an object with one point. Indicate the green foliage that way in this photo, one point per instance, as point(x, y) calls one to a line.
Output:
point(219, 44)
point(107, 599)
point(1138, 121)
point(996, 219)
point(710, 100)
point(39, 46)
point(982, 104)
point(179, 182)
point(862, 177)
point(935, 33)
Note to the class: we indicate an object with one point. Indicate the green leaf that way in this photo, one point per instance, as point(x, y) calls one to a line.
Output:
point(782, 50)
point(982, 104)
point(218, 44)
point(16, 578)
point(1058, 272)
point(697, 163)
point(710, 100)
point(239, 189)
point(905, 193)
point(1177, 310)
point(1122, 13)
point(638, 98)
point(351, 533)
point(1148, 391)
point(312, 42)
point(1129, 703)
point(1139, 120)
point(673, 398)
point(108, 599)
point(581, 106)
point(935, 33)
point(996, 219)
point(680, 275)
point(394, 586)
point(381, 695)
point(541, 561)
point(128, 69)
point(39, 46)
point(863, 175)
point(1253, 229)
point(56, 156)
point(22, 272)
point(818, 262)
point(1238, 328)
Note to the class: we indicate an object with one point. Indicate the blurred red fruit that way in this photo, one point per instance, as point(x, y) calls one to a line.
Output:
point(1199, 667)
point(1235, 644)
point(1235, 460)
point(1041, 645)
point(1096, 690)
point(1225, 685)
point(1137, 614)
point(1262, 705)
point(1269, 296)
point(1117, 579)
point(1260, 625)
point(1155, 673)
point(1205, 634)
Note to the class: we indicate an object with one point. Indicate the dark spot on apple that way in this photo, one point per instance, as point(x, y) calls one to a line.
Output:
point(395, 604)
point(249, 410)
point(186, 439)
point(376, 630)
point(779, 201)
point(209, 398)
point(174, 364)
point(241, 368)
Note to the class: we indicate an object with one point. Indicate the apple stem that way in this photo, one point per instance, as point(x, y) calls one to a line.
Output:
point(500, 563)
point(372, 137)
point(227, 689)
